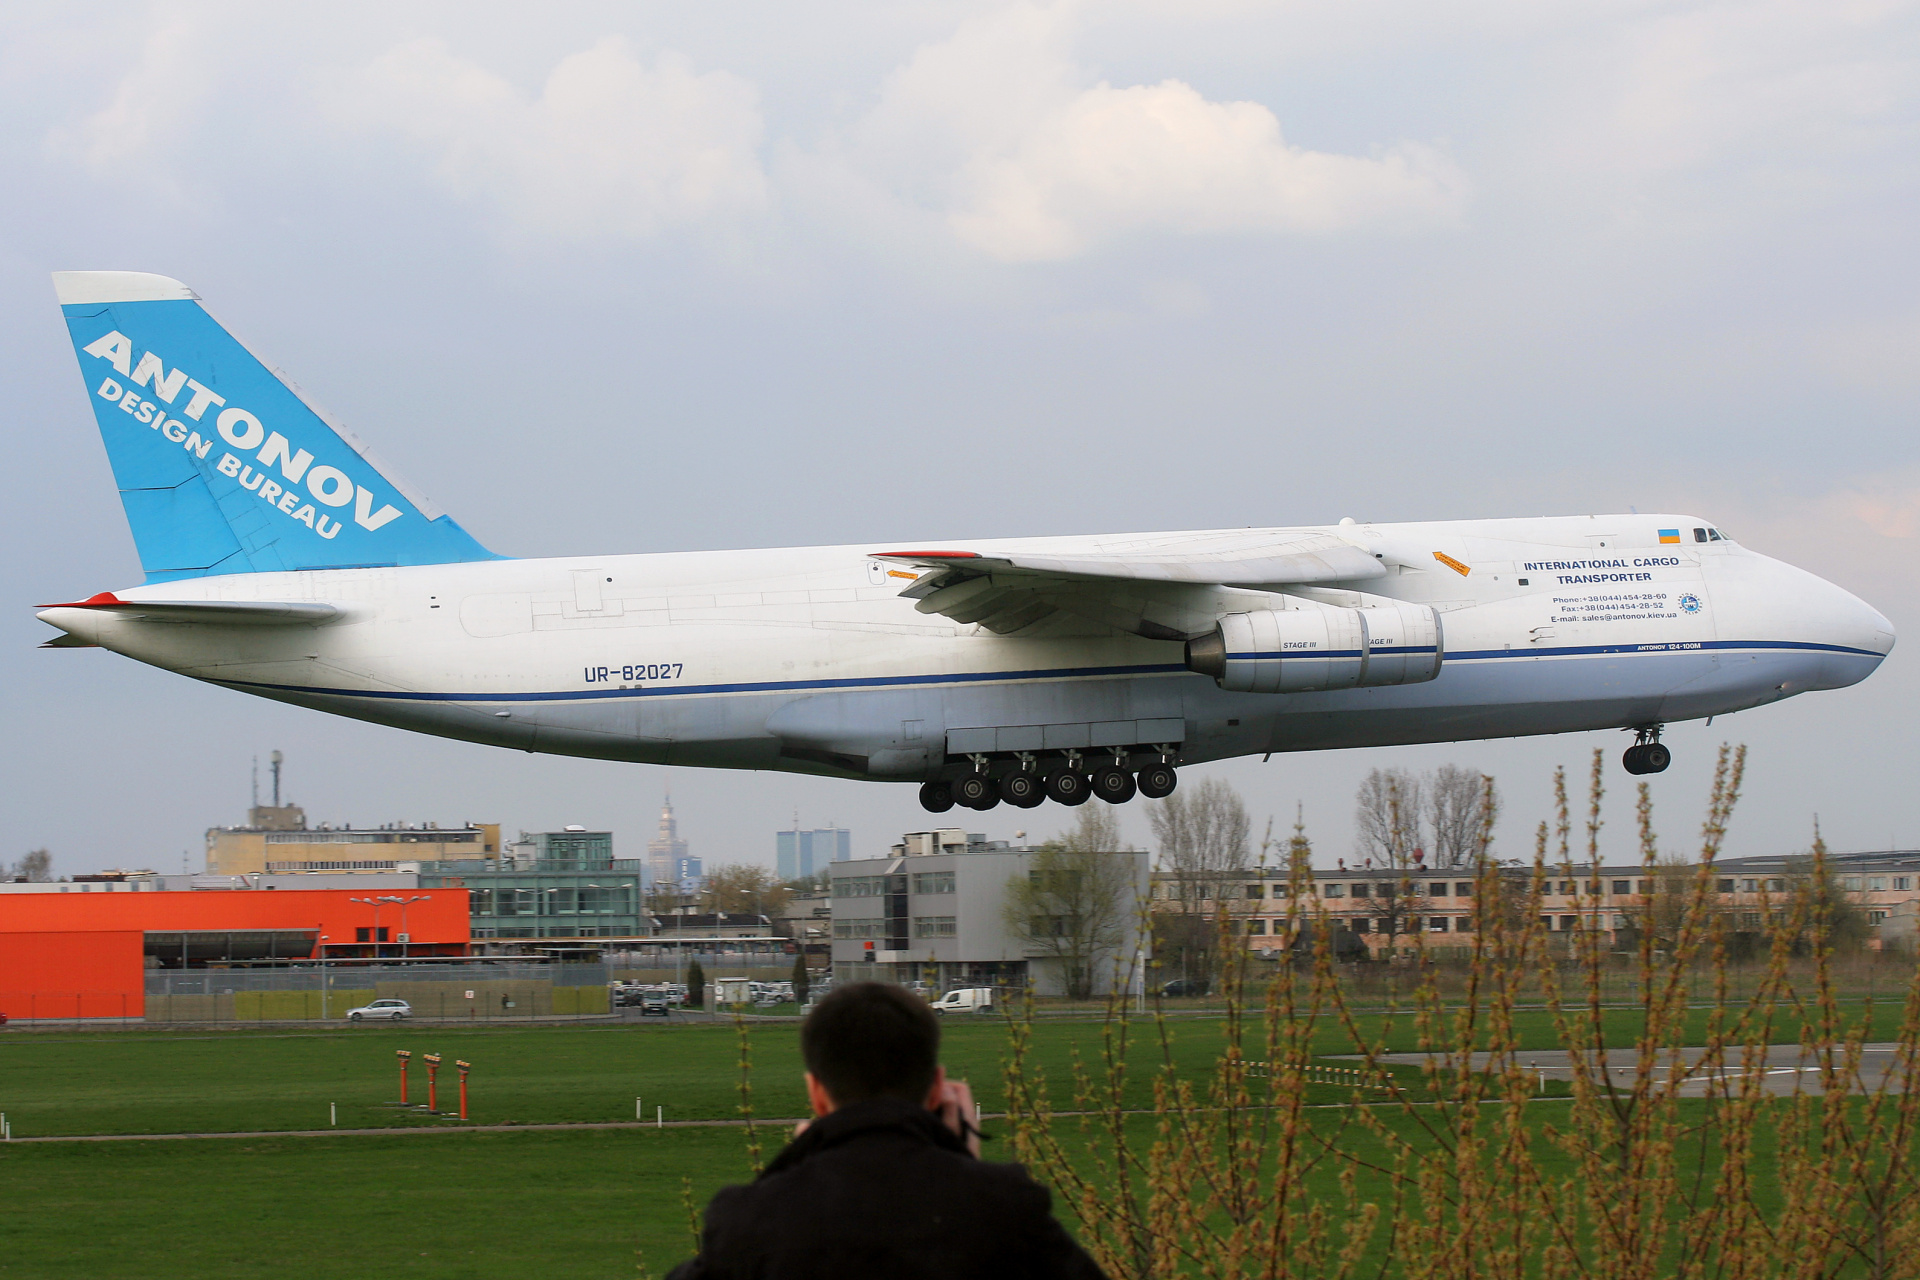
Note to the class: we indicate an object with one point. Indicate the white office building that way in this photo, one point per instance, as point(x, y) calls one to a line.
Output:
point(934, 912)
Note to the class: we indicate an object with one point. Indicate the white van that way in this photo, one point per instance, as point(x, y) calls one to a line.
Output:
point(966, 1000)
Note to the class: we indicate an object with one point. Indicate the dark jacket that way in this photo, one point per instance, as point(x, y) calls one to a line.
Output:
point(882, 1189)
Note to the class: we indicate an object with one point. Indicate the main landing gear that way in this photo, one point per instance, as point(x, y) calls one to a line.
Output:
point(1027, 781)
point(1647, 754)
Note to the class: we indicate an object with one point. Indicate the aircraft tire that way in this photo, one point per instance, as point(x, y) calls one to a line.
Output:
point(1022, 790)
point(1654, 758)
point(1069, 788)
point(1113, 784)
point(1630, 760)
point(936, 797)
point(1157, 781)
point(974, 790)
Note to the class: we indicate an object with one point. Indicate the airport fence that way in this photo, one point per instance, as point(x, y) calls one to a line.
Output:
point(500, 991)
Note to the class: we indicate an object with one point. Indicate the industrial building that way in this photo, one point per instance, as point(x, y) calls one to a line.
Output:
point(276, 840)
point(558, 889)
point(82, 950)
point(255, 849)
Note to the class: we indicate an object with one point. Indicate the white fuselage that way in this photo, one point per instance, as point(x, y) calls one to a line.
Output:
point(808, 659)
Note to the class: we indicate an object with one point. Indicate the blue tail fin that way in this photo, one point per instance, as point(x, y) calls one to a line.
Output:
point(222, 467)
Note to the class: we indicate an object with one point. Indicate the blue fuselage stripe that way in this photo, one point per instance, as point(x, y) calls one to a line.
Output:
point(998, 677)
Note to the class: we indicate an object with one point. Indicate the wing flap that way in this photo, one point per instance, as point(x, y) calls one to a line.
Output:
point(1165, 587)
point(1255, 563)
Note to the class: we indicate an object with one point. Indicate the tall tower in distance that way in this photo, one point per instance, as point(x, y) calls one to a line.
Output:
point(275, 816)
point(667, 860)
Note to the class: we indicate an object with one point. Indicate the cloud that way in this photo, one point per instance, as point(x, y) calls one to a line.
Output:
point(151, 105)
point(1162, 158)
point(609, 146)
point(1001, 132)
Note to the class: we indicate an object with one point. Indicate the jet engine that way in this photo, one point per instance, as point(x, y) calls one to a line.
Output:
point(1306, 650)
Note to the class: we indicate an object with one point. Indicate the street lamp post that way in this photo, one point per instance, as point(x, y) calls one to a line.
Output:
point(375, 904)
point(406, 943)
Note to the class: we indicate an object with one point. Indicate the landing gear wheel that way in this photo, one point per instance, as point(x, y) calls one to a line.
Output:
point(974, 790)
point(936, 797)
point(1157, 781)
point(1646, 757)
point(1069, 788)
point(1021, 790)
point(1113, 784)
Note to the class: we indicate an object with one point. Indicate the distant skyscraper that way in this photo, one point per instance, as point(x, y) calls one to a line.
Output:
point(667, 852)
point(798, 854)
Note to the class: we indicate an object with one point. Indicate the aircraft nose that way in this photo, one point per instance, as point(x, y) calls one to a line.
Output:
point(1854, 636)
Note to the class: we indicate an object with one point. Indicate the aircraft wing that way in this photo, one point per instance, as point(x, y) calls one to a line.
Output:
point(1171, 588)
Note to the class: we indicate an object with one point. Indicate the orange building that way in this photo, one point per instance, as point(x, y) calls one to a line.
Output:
point(82, 951)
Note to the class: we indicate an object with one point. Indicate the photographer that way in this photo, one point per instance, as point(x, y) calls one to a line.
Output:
point(885, 1181)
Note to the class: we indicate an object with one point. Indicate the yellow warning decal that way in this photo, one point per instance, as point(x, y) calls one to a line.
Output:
point(1451, 563)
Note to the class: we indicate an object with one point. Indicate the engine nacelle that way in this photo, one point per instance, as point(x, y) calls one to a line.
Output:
point(1306, 650)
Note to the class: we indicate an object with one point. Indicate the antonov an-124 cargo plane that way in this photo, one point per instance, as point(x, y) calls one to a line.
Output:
point(282, 559)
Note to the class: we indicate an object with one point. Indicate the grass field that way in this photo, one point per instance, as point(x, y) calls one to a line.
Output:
point(493, 1202)
point(173, 1082)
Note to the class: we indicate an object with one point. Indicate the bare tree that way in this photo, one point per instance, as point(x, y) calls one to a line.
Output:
point(1663, 896)
point(36, 868)
point(1460, 807)
point(1441, 820)
point(1386, 818)
point(740, 888)
point(1202, 835)
point(1394, 904)
point(1077, 899)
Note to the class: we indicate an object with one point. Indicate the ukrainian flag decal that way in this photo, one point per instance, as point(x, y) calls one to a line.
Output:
point(1669, 535)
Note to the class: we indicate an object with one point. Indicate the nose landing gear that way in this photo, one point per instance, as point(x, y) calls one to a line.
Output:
point(1647, 754)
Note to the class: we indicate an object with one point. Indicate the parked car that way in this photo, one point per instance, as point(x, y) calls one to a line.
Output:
point(966, 1000)
point(655, 1003)
point(392, 1010)
point(1186, 987)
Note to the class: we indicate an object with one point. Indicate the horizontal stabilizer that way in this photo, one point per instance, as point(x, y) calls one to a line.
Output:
point(223, 613)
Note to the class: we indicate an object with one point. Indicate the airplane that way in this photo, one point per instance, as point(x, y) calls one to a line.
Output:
point(284, 560)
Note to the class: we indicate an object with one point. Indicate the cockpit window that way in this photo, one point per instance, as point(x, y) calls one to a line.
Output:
point(1714, 534)
point(1699, 535)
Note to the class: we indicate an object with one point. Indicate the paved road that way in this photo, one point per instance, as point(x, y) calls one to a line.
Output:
point(1787, 1068)
point(453, 1126)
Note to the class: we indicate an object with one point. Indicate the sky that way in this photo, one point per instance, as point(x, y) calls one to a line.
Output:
point(648, 277)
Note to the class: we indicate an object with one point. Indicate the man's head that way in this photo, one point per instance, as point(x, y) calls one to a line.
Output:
point(872, 1040)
